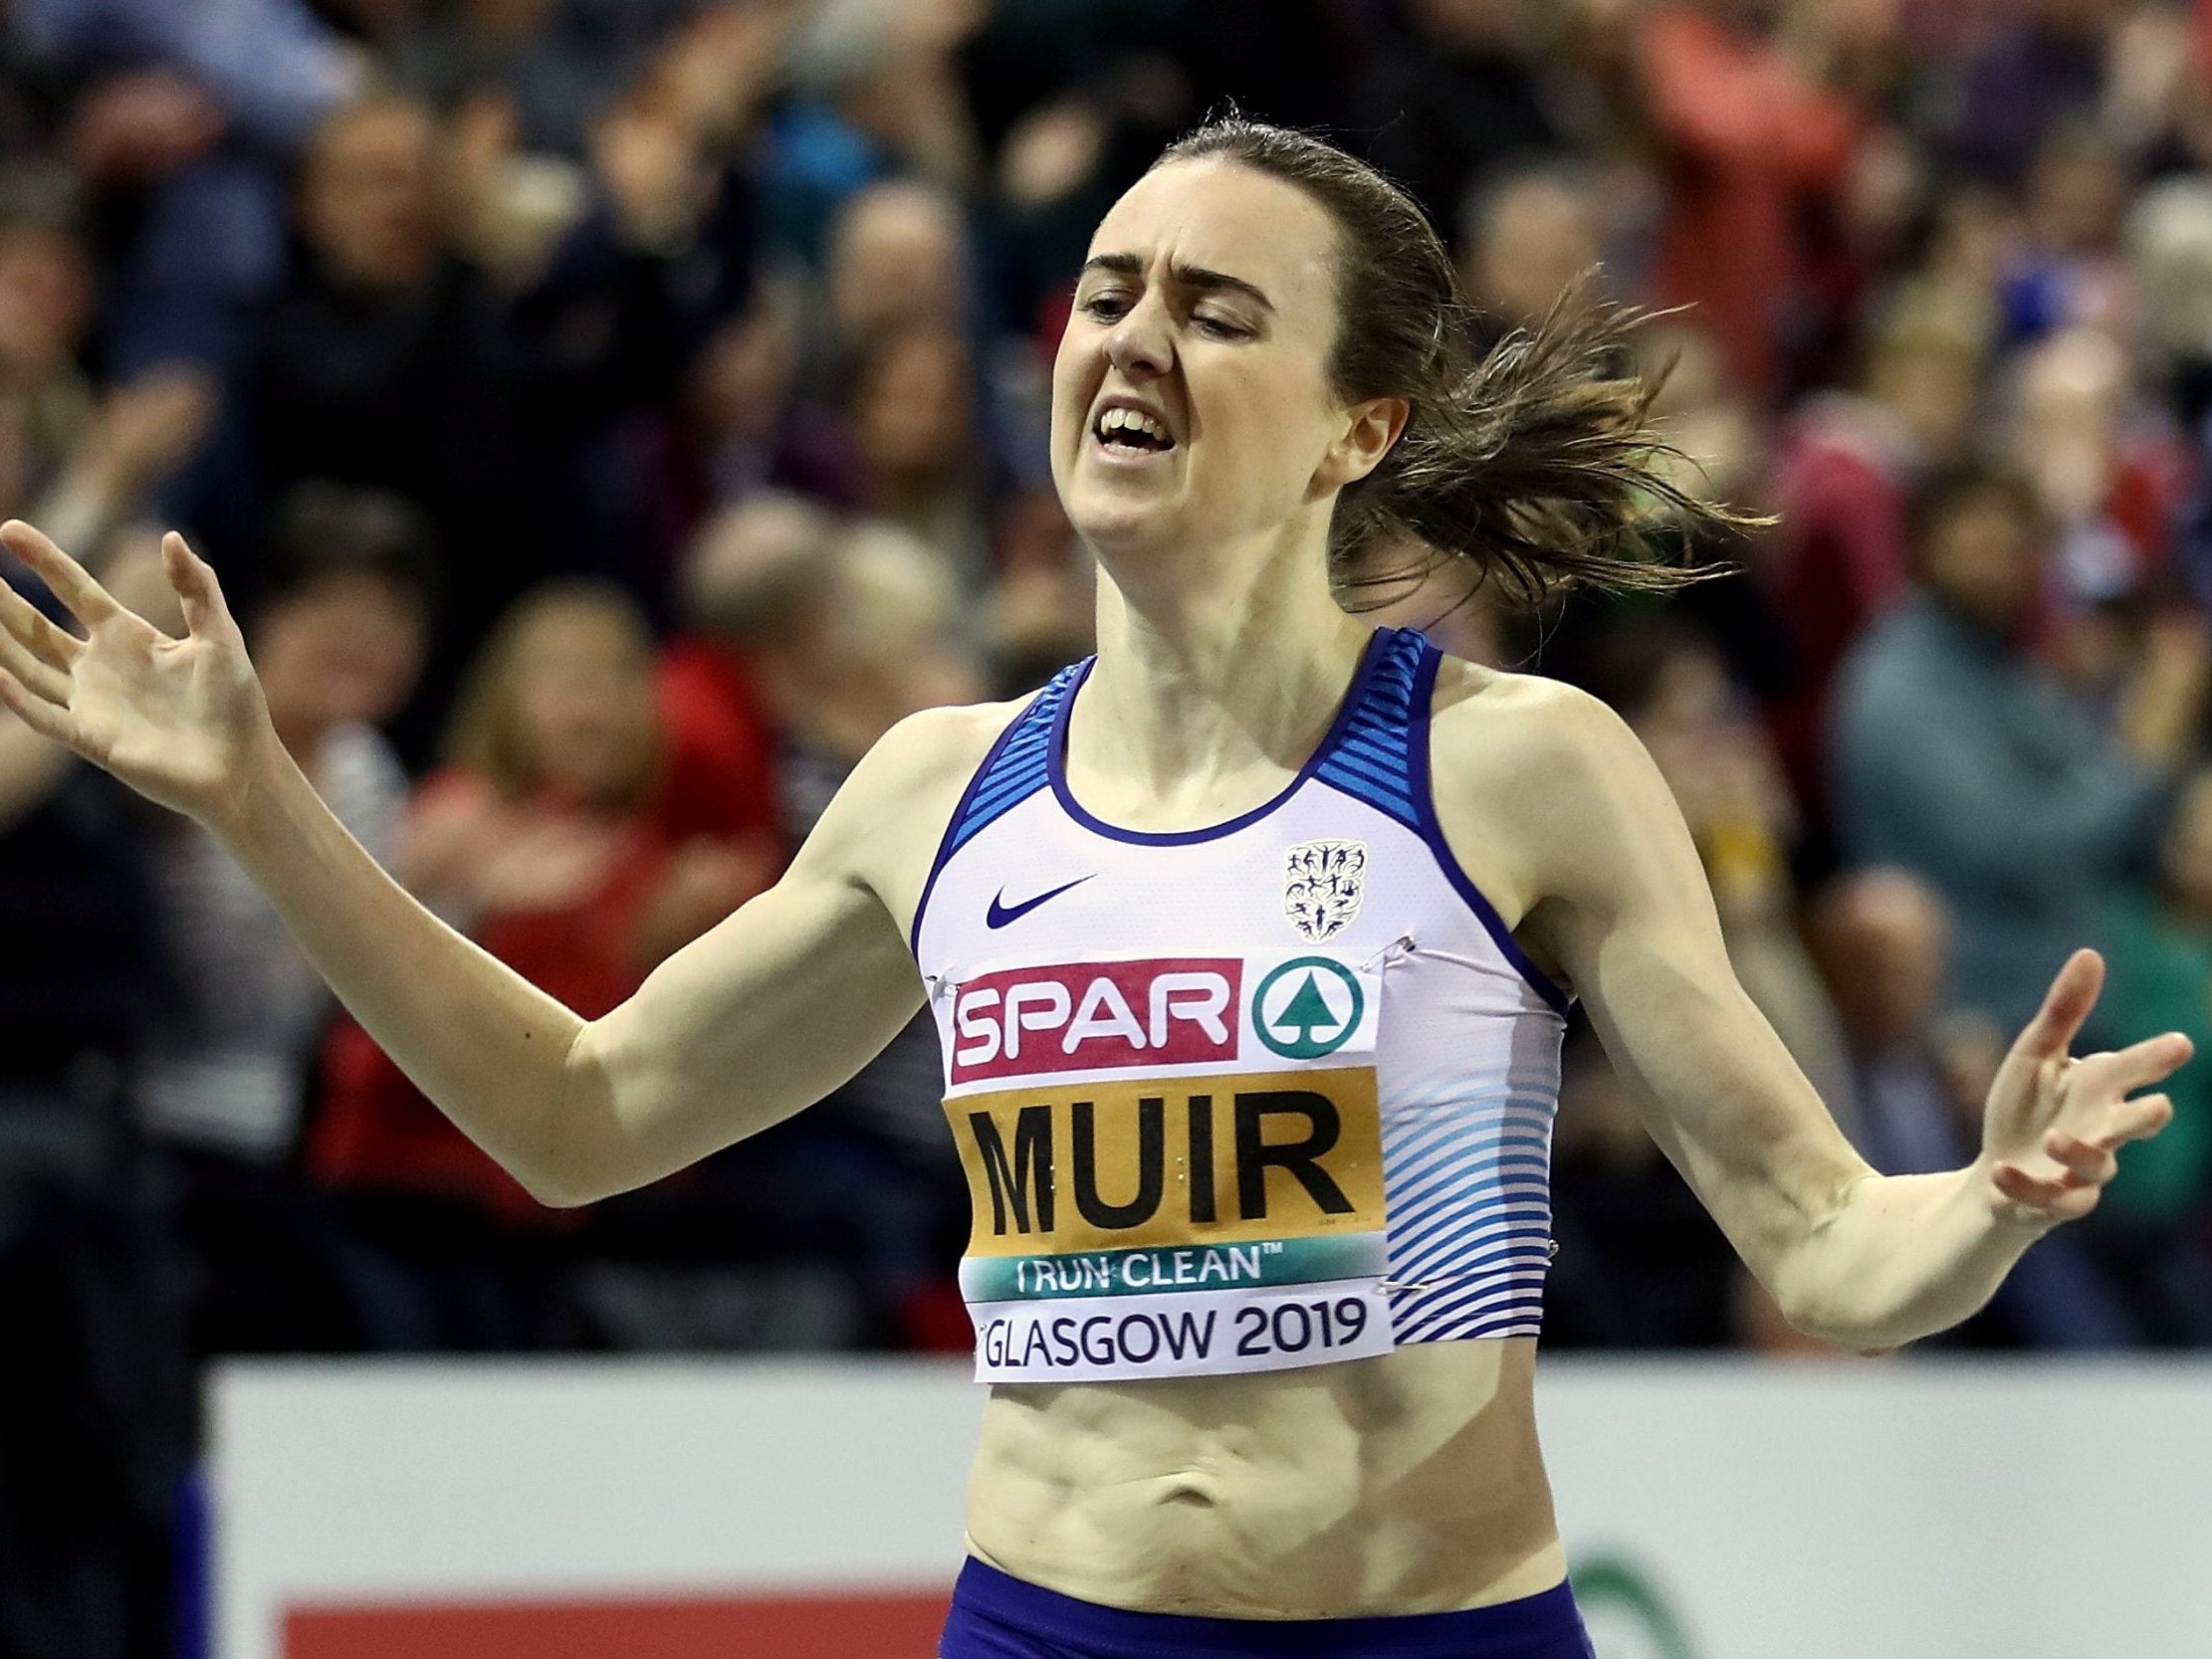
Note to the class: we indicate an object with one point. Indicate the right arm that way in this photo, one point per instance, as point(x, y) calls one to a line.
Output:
point(758, 1018)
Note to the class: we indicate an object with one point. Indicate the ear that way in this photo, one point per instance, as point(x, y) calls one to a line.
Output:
point(1370, 428)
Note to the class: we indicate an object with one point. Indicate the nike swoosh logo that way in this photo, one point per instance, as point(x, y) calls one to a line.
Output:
point(1002, 913)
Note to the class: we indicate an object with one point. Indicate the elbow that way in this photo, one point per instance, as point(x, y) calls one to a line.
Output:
point(555, 1192)
point(559, 1174)
point(1829, 1319)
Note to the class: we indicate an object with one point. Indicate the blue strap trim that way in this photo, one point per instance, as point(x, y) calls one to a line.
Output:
point(1016, 769)
point(1013, 770)
point(1371, 754)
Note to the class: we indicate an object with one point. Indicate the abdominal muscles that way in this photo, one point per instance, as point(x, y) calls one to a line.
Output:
point(1409, 1483)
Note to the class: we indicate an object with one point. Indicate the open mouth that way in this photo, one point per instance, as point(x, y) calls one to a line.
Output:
point(1124, 431)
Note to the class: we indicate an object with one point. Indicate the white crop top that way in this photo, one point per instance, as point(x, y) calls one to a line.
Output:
point(1275, 1093)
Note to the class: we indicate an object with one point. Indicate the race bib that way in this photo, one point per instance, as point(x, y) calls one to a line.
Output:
point(1175, 1164)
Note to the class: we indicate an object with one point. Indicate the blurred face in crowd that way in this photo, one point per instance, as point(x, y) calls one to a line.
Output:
point(2077, 193)
point(911, 416)
point(1982, 557)
point(1536, 238)
point(45, 298)
point(898, 253)
point(345, 648)
point(1931, 387)
point(583, 700)
point(1881, 940)
point(2186, 857)
point(742, 382)
point(1208, 310)
point(753, 572)
point(368, 195)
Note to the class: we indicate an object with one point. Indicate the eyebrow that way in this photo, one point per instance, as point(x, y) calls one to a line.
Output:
point(1195, 277)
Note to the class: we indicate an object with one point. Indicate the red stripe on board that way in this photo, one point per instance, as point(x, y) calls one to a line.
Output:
point(863, 1626)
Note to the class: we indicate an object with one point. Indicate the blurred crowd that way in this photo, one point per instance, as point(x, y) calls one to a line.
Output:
point(610, 416)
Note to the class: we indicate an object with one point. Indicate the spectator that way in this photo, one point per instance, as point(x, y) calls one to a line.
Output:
point(1958, 758)
point(2044, 66)
point(1529, 237)
point(387, 363)
point(392, 362)
point(1880, 937)
point(747, 593)
point(539, 842)
point(916, 441)
point(741, 426)
point(1848, 467)
point(1455, 100)
point(897, 255)
point(2109, 472)
point(189, 119)
point(1750, 146)
point(879, 92)
point(2150, 1229)
point(2068, 270)
point(222, 1081)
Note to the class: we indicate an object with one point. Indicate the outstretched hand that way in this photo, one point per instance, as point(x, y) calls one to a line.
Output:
point(2054, 1123)
point(179, 720)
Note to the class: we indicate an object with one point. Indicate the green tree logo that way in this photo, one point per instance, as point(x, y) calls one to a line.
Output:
point(1307, 1022)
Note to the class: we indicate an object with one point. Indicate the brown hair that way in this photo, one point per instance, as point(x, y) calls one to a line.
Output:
point(1532, 461)
point(484, 734)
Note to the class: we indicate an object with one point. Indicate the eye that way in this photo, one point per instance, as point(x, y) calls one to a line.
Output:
point(1105, 306)
point(1220, 327)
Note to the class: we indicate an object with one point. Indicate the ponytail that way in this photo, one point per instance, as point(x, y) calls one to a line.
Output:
point(1534, 463)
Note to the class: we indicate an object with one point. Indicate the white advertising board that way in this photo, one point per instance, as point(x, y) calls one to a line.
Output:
point(1725, 1510)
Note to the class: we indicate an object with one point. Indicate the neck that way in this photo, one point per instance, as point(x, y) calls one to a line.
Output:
point(1214, 671)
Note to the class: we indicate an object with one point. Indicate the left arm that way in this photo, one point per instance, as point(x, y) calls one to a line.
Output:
point(1611, 888)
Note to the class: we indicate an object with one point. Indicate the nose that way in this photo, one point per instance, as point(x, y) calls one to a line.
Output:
point(1141, 344)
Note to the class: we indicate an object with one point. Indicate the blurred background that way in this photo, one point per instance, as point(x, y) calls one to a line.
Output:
point(610, 416)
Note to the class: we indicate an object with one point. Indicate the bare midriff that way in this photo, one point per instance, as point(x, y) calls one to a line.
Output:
point(1410, 1483)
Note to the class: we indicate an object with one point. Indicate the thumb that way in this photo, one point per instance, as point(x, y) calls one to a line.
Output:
point(2072, 995)
point(205, 613)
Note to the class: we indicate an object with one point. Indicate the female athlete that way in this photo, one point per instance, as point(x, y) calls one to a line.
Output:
point(1249, 943)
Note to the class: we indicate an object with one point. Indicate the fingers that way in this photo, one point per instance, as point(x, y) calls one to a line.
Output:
point(2057, 1199)
point(197, 588)
point(2135, 1120)
point(2086, 1162)
point(2139, 1065)
point(2068, 1003)
point(37, 631)
point(47, 719)
point(40, 678)
point(86, 600)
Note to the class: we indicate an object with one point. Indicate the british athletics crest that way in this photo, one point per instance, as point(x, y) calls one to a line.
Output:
point(1322, 885)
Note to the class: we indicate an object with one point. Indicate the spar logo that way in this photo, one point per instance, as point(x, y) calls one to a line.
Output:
point(1084, 1016)
point(1308, 1007)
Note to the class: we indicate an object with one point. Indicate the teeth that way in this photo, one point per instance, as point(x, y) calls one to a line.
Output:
point(1131, 419)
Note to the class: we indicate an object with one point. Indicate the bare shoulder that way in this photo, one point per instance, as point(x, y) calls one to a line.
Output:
point(1533, 779)
point(884, 826)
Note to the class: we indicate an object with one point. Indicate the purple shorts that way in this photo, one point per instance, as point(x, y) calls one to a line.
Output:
point(997, 1616)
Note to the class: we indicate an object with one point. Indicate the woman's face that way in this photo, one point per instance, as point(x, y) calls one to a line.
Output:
point(584, 698)
point(1207, 308)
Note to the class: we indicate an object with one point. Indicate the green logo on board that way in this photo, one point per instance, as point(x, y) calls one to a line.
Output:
point(1308, 1007)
